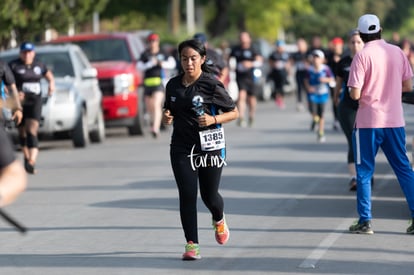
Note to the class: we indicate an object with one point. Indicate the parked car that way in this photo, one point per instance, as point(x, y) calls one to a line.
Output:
point(75, 106)
point(115, 55)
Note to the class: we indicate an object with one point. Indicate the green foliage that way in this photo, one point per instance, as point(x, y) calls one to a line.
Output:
point(116, 8)
point(400, 18)
point(269, 19)
point(332, 18)
point(10, 16)
point(275, 15)
point(30, 18)
point(132, 21)
point(407, 30)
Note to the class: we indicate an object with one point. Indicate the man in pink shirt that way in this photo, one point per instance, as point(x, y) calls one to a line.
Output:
point(379, 74)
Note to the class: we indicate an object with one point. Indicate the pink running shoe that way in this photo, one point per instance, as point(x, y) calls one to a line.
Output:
point(192, 252)
point(221, 231)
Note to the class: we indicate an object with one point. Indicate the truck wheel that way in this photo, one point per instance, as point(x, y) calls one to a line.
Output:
point(80, 133)
point(137, 128)
point(98, 133)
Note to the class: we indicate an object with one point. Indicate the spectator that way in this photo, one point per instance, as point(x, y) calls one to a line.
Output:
point(378, 83)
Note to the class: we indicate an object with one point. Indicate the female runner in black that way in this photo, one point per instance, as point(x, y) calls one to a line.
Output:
point(197, 104)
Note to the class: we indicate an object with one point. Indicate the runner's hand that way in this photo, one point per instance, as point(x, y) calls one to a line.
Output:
point(17, 117)
point(167, 117)
point(206, 120)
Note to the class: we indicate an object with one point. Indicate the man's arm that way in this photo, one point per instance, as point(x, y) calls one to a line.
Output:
point(17, 107)
point(407, 85)
point(337, 90)
point(10, 82)
point(355, 93)
point(14, 103)
point(51, 79)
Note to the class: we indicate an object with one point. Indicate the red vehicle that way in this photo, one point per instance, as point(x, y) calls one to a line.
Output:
point(115, 55)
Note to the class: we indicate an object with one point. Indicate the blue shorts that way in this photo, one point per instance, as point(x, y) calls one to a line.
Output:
point(315, 98)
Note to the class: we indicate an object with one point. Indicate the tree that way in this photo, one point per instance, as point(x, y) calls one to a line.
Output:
point(400, 18)
point(28, 19)
point(332, 18)
point(10, 16)
point(269, 19)
point(221, 20)
point(263, 18)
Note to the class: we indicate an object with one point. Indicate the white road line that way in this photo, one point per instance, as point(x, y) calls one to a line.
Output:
point(312, 260)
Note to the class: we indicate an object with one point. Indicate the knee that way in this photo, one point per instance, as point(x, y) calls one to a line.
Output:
point(32, 141)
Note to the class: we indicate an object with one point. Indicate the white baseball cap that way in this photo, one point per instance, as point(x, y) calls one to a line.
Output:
point(318, 53)
point(369, 23)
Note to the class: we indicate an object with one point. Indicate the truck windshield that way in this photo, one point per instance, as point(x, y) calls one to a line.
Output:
point(105, 50)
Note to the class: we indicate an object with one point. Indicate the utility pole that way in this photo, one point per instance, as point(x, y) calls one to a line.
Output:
point(175, 16)
point(190, 16)
point(95, 22)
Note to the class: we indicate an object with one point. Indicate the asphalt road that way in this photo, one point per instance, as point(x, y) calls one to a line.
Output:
point(113, 208)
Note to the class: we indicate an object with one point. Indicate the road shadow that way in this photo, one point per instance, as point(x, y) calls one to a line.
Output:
point(170, 263)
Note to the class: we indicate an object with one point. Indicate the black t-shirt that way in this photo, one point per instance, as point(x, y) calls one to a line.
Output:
point(28, 74)
point(330, 61)
point(280, 59)
point(241, 55)
point(6, 74)
point(156, 70)
point(216, 61)
point(342, 71)
point(6, 149)
point(179, 101)
point(300, 59)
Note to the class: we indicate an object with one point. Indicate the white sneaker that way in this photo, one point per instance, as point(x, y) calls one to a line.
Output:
point(300, 107)
point(322, 139)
